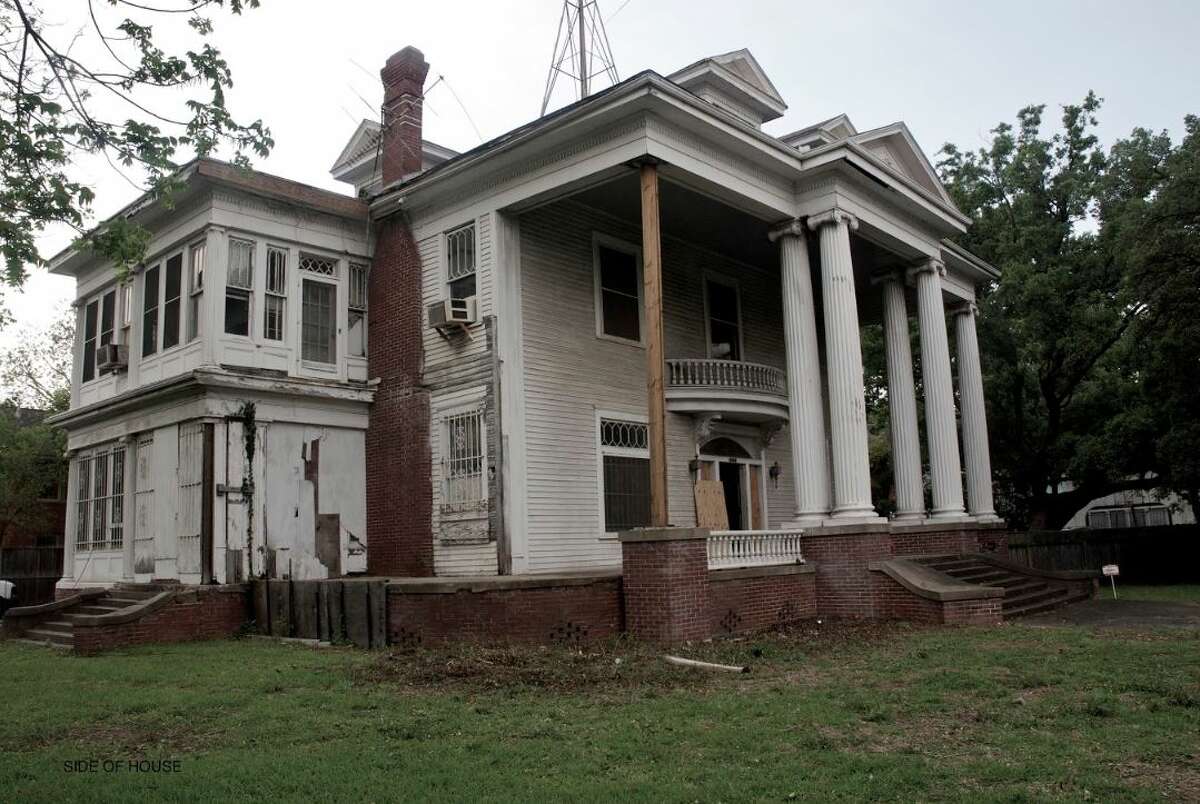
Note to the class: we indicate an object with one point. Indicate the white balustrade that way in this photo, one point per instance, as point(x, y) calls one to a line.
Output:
point(736, 374)
point(753, 548)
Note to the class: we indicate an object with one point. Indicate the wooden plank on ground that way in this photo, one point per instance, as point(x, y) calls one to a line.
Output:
point(337, 617)
point(280, 594)
point(304, 609)
point(323, 610)
point(262, 607)
point(377, 592)
point(710, 505)
point(358, 613)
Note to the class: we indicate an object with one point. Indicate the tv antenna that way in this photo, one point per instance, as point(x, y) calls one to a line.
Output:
point(581, 50)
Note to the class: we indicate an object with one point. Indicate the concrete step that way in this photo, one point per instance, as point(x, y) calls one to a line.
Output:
point(947, 564)
point(1024, 586)
point(54, 637)
point(61, 626)
point(1068, 596)
point(1032, 598)
point(984, 577)
point(42, 644)
point(121, 601)
point(97, 608)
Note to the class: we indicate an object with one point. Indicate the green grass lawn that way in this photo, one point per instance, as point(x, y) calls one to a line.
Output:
point(1178, 593)
point(1010, 713)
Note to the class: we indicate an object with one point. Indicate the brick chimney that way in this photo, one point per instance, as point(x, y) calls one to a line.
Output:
point(403, 79)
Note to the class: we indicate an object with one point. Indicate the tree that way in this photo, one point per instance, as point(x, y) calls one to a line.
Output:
point(104, 89)
point(1064, 331)
point(36, 369)
point(31, 470)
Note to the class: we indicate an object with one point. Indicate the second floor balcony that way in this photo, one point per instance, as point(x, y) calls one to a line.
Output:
point(733, 389)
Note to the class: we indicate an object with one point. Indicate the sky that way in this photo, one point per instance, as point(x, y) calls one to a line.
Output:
point(950, 69)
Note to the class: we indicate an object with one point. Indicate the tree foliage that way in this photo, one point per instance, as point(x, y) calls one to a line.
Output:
point(108, 87)
point(32, 469)
point(36, 368)
point(1071, 330)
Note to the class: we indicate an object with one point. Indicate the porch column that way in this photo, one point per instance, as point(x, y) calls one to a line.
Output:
point(847, 402)
point(72, 513)
point(806, 418)
point(128, 520)
point(655, 357)
point(902, 402)
point(974, 415)
point(940, 422)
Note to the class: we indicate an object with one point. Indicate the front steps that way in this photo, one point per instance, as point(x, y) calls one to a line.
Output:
point(57, 630)
point(1025, 592)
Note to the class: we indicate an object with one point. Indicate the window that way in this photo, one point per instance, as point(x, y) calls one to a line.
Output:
point(150, 312)
point(89, 341)
point(460, 262)
point(318, 325)
point(618, 292)
point(100, 499)
point(239, 284)
point(195, 288)
point(126, 311)
point(463, 478)
point(108, 315)
point(724, 320)
point(356, 343)
point(1137, 516)
point(172, 292)
point(275, 300)
point(318, 265)
point(625, 468)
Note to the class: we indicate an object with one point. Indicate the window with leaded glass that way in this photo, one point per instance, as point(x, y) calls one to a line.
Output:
point(275, 300)
point(356, 341)
point(625, 468)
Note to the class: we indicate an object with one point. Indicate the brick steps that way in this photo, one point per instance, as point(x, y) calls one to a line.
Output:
point(1024, 593)
point(60, 632)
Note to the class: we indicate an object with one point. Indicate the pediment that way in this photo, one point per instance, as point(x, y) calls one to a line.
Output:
point(736, 82)
point(895, 147)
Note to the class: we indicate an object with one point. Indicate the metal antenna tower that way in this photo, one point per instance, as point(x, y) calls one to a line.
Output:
point(581, 49)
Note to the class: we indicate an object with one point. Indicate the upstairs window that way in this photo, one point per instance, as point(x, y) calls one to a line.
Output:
point(356, 342)
point(239, 285)
point(172, 294)
point(275, 301)
point(150, 312)
point(618, 292)
point(318, 321)
point(126, 311)
point(625, 468)
point(724, 320)
point(89, 341)
point(195, 287)
point(460, 262)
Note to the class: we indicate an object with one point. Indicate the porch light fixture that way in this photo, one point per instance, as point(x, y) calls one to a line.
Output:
point(774, 472)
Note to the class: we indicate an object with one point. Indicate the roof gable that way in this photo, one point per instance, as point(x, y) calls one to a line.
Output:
point(736, 82)
point(895, 146)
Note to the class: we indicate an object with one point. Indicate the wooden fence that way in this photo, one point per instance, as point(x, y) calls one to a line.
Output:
point(1159, 555)
point(34, 572)
point(337, 611)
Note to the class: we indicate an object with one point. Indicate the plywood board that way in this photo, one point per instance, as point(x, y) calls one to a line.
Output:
point(756, 508)
point(710, 505)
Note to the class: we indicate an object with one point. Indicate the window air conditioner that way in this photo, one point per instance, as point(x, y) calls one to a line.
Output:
point(112, 357)
point(452, 313)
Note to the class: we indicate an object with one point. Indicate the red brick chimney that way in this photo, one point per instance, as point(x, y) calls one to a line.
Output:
point(403, 79)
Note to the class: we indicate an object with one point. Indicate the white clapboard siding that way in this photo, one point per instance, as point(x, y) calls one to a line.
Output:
point(570, 374)
point(438, 350)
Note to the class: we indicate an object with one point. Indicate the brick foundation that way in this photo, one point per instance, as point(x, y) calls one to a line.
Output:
point(747, 601)
point(893, 602)
point(196, 613)
point(665, 577)
point(564, 610)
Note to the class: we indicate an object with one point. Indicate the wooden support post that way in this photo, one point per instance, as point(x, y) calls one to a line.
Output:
point(655, 358)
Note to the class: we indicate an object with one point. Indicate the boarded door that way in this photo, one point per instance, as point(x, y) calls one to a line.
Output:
point(144, 525)
point(246, 556)
point(191, 496)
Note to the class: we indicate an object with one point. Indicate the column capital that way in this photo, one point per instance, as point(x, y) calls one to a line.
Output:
point(966, 308)
point(792, 228)
point(888, 276)
point(932, 264)
point(834, 215)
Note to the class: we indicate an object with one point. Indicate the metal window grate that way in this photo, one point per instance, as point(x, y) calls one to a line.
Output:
point(100, 500)
point(460, 252)
point(83, 495)
point(463, 461)
point(241, 264)
point(318, 265)
point(116, 506)
point(624, 434)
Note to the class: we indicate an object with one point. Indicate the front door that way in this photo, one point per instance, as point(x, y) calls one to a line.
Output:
point(730, 475)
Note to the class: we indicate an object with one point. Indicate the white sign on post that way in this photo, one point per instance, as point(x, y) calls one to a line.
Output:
point(1111, 571)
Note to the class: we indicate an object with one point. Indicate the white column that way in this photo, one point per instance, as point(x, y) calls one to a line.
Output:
point(843, 349)
point(940, 422)
point(127, 502)
point(806, 417)
point(902, 403)
point(974, 415)
point(72, 517)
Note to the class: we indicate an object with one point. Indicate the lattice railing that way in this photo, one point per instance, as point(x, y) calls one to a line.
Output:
point(753, 548)
point(733, 374)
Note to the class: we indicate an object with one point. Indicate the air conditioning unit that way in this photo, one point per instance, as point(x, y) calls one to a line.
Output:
point(112, 357)
point(452, 313)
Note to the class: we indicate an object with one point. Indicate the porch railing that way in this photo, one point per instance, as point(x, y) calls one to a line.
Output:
point(753, 548)
point(733, 374)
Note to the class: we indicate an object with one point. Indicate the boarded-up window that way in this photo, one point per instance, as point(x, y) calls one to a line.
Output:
point(625, 468)
point(191, 494)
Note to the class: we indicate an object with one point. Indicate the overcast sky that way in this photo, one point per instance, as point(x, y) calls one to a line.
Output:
point(950, 69)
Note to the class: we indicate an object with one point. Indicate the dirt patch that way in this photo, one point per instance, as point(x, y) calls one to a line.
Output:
point(1174, 782)
point(130, 740)
point(1123, 614)
point(619, 664)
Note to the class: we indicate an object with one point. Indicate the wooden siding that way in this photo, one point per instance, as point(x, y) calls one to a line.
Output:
point(570, 373)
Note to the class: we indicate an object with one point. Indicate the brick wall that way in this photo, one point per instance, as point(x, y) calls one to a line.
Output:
point(750, 601)
point(398, 461)
point(563, 613)
point(197, 613)
point(666, 585)
point(893, 602)
point(918, 542)
point(843, 581)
